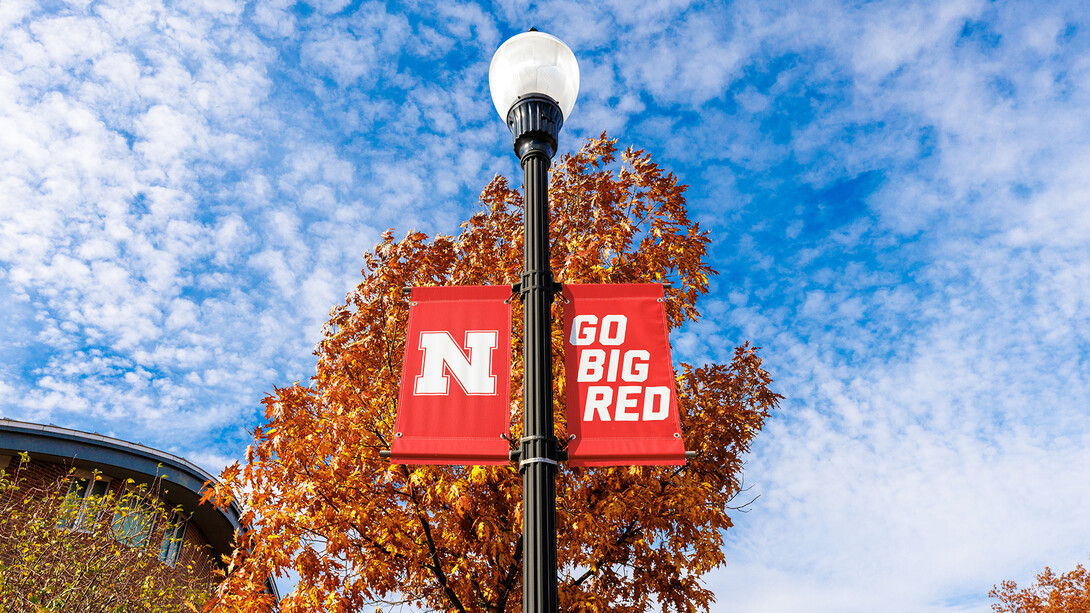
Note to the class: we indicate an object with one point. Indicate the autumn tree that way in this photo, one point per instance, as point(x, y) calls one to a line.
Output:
point(359, 530)
point(1066, 593)
point(93, 556)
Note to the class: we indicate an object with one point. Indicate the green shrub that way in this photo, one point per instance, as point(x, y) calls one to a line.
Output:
point(77, 547)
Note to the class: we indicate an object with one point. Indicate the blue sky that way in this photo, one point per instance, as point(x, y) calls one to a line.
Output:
point(898, 196)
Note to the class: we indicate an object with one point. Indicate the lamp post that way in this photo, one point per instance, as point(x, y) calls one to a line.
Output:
point(534, 79)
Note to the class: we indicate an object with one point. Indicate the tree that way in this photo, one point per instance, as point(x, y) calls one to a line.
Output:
point(359, 530)
point(1066, 593)
point(93, 555)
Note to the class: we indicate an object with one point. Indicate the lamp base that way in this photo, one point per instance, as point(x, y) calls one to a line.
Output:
point(535, 121)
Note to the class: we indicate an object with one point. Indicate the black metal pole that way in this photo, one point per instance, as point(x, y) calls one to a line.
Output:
point(535, 122)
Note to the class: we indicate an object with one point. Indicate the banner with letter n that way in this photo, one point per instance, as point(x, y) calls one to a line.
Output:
point(621, 396)
point(454, 406)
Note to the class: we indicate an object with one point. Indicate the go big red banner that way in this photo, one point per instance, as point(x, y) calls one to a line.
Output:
point(621, 398)
point(454, 404)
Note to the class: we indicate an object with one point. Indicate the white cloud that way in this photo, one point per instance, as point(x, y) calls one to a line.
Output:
point(353, 50)
point(110, 150)
point(275, 18)
point(928, 337)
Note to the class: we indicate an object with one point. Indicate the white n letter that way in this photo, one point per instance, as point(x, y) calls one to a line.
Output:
point(443, 355)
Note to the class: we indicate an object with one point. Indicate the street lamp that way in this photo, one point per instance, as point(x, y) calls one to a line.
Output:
point(534, 80)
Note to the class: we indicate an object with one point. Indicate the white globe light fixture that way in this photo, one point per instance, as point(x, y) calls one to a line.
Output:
point(537, 71)
point(533, 63)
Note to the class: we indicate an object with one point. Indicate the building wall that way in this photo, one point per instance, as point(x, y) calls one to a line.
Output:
point(41, 476)
point(196, 554)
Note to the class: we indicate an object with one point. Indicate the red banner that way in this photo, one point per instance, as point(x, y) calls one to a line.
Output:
point(622, 402)
point(454, 406)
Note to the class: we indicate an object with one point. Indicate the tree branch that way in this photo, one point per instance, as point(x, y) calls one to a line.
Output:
point(509, 579)
point(630, 531)
point(436, 566)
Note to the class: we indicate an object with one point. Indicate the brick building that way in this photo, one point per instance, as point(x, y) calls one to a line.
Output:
point(88, 466)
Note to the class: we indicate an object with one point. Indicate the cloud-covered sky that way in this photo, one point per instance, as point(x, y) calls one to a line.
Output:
point(899, 196)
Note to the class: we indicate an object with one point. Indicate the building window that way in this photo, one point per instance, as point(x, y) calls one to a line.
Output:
point(173, 537)
point(134, 517)
point(84, 501)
